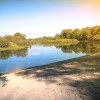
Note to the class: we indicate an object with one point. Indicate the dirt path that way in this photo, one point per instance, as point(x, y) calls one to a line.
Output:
point(77, 79)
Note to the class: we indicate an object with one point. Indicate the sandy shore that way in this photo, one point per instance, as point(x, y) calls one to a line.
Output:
point(75, 79)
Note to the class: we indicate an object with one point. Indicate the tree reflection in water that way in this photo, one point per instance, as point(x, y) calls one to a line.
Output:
point(19, 53)
point(80, 47)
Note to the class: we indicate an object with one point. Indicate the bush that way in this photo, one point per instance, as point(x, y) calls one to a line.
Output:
point(4, 42)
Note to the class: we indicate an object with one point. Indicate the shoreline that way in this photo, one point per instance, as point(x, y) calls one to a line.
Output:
point(58, 62)
point(13, 48)
point(73, 79)
point(36, 67)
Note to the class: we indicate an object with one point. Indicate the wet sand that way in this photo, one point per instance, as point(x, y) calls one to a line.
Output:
point(74, 79)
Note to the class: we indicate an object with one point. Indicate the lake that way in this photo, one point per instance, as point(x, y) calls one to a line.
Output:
point(38, 55)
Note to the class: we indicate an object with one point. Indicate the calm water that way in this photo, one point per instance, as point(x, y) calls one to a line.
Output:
point(36, 56)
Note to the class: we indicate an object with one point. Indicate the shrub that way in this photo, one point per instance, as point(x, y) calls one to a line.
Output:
point(3, 42)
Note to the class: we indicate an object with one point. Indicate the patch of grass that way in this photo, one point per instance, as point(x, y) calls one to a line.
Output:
point(12, 48)
point(58, 41)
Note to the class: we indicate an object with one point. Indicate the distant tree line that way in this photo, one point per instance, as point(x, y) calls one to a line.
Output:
point(84, 34)
point(66, 36)
point(17, 39)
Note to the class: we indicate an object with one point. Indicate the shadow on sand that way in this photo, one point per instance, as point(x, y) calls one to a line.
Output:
point(3, 81)
point(82, 73)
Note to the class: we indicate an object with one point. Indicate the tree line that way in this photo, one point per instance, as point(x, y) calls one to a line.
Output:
point(17, 39)
point(66, 36)
point(84, 34)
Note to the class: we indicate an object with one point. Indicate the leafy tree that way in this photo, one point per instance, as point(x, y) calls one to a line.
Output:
point(66, 33)
point(3, 42)
point(57, 36)
point(8, 38)
point(19, 35)
point(19, 39)
point(75, 34)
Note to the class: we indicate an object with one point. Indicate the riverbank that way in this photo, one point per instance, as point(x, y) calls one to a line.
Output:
point(74, 79)
point(12, 48)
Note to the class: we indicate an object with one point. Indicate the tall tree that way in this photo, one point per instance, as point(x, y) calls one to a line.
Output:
point(66, 33)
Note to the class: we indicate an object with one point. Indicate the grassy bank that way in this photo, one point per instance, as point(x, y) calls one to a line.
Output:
point(12, 48)
point(57, 41)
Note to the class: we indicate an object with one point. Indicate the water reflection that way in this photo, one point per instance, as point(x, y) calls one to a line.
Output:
point(18, 53)
point(81, 47)
point(40, 55)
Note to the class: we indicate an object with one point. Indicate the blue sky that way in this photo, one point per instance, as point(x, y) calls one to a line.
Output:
point(37, 18)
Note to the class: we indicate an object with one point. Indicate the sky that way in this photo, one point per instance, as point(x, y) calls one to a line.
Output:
point(37, 18)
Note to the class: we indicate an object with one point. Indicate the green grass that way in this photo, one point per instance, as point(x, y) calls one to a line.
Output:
point(12, 48)
point(58, 41)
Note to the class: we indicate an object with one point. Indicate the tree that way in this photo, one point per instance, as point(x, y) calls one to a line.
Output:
point(3, 42)
point(66, 33)
point(19, 35)
point(75, 33)
point(57, 36)
point(19, 39)
point(95, 33)
point(8, 38)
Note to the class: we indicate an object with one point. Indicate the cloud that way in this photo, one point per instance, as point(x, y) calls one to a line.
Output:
point(34, 53)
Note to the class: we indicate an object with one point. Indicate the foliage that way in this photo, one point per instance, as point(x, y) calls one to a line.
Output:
point(84, 34)
point(66, 33)
point(3, 42)
point(67, 36)
point(57, 41)
point(16, 41)
point(19, 39)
